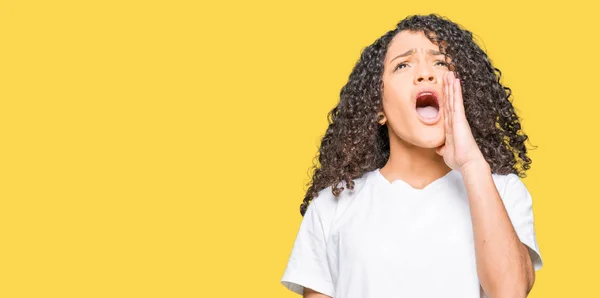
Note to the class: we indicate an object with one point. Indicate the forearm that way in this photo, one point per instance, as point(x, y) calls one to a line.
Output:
point(503, 263)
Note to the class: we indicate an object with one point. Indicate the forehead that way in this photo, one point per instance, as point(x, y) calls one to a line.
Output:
point(407, 40)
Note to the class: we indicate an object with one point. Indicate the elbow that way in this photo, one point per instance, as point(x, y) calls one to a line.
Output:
point(530, 282)
point(513, 286)
point(513, 292)
point(518, 288)
point(518, 283)
point(517, 292)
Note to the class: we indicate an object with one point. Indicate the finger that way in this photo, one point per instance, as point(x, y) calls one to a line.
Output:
point(449, 125)
point(447, 119)
point(451, 83)
point(459, 105)
point(451, 101)
point(446, 93)
point(445, 90)
point(449, 136)
point(446, 105)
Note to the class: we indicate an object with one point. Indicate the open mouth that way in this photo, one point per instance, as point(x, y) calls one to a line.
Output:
point(428, 105)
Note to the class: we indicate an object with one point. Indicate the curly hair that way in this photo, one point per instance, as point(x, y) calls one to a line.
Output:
point(355, 143)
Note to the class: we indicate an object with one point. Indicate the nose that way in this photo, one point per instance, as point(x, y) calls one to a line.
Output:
point(425, 74)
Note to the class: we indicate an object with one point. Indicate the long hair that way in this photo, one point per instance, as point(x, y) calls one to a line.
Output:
point(355, 143)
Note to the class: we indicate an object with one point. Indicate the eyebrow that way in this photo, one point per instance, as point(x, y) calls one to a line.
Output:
point(412, 51)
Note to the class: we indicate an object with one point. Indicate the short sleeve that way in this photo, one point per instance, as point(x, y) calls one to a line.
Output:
point(308, 266)
point(518, 204)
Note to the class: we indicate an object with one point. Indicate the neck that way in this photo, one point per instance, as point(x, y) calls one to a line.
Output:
point(415, 165)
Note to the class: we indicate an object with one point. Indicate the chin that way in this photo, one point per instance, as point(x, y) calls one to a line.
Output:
point(431, 144)
point(433, 140)
point(422, 137)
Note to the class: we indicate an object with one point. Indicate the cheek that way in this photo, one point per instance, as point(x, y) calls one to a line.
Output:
point(396, 104)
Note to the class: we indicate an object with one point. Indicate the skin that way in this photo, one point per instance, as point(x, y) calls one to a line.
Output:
point(421, 153)
point(413, 158)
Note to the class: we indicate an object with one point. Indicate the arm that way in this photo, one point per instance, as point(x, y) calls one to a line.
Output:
point(504, 266)
point(308, 268)
point(310, 293)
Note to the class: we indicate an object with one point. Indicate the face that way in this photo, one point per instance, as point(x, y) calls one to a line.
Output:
point(413, 90)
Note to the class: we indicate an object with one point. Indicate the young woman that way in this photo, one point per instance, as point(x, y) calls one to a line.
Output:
point(418, 191)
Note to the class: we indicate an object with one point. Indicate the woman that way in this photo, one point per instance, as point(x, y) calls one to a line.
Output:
point(418, 191)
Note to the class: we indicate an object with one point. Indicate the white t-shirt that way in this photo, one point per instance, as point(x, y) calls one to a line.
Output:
point(391, 240)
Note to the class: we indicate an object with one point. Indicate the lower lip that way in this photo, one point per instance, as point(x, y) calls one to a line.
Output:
point(430, 121)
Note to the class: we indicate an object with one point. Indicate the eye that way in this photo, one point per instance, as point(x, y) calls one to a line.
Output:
point(401, 65)
point(441, 63)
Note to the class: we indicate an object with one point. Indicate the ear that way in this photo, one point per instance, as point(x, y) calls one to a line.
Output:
point(381, 119)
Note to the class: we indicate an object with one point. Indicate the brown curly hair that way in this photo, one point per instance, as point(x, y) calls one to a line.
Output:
point(355, 143)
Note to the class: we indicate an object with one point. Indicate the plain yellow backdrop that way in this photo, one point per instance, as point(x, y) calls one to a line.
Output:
point(161, 148)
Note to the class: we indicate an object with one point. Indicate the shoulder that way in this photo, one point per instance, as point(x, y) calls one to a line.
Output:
point(326, 199)
point(504, 181)
point(510, 185)
point(326, 204)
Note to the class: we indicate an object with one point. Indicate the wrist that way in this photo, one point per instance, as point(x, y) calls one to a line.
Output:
point(475, 167)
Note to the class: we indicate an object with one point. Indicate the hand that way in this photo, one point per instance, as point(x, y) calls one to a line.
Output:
point(460, 148)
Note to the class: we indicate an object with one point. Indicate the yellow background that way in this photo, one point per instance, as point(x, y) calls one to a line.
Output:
point(161, 148)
